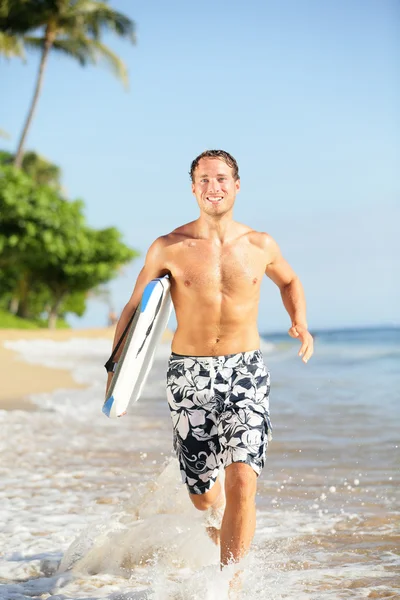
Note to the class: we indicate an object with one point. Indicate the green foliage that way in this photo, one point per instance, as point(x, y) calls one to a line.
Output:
point(35, 222)
point(37, 167)
point(8, 283)
point(49, 257)
point(11, 45)
point(74, 303)
point(61, 323)
point(41, 171)
point(6, 158)
point(9, 321)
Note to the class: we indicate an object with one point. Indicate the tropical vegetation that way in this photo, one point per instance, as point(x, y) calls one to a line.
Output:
point(50, 259)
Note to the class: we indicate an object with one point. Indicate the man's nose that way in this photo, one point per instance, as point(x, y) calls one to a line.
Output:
point(214, 186)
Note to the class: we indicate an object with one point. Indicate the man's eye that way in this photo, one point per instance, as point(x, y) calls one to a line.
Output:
point(203, 180)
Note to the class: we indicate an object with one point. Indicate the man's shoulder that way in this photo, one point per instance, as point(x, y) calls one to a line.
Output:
point(260, 239)
point(179, 234)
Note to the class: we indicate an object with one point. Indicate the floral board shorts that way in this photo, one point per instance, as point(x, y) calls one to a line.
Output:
point(220, 414)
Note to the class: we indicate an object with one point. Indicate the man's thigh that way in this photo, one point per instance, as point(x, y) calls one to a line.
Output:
point(196, 440)
point(243, 436)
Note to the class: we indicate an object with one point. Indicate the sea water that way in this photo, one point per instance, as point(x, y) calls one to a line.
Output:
point(94, 508)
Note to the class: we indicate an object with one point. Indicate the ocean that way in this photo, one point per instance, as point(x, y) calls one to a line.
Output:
point(92, 508)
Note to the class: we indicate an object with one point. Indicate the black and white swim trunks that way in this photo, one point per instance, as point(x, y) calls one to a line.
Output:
point(220, 414)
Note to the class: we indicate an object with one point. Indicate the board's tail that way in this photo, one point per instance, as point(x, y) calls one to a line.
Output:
point(108, 407)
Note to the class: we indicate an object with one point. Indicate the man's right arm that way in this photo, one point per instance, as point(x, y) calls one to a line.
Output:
point(154, 266)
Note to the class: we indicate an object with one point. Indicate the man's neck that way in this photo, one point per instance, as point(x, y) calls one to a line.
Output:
point(218, 230)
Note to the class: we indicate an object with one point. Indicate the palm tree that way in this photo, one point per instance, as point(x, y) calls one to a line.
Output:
point(72, 27)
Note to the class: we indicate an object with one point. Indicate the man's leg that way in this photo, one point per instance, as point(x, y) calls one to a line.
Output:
point(213, 500)
point(239, 520)
point(215, 496)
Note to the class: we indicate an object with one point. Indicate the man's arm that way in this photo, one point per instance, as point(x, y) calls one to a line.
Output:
point(154, 266)
point(293, 297)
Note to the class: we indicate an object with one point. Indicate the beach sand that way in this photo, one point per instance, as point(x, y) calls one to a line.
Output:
point(23, 379)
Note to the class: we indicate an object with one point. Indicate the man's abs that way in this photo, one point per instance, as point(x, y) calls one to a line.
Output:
point(207, 333)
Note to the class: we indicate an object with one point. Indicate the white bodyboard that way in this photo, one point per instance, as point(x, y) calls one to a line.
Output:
point(148, 325)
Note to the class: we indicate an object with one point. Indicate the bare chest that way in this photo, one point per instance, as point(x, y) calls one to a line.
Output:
point(221, 269)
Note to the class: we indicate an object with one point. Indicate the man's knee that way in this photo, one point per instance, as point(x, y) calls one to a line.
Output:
point(240, 483)
point(200, 501)
point(206, 500)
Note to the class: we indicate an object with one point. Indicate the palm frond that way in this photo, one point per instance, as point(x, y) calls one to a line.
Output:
point(21, 16)
point(76, 48)
point(97, 17)
point(34, 42)
point(11, 45)
point(87, 51)
point(112, 61)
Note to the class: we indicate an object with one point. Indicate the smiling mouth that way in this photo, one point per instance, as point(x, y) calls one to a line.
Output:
point(214, 199)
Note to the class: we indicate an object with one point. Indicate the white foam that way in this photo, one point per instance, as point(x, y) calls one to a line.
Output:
point(81, 489)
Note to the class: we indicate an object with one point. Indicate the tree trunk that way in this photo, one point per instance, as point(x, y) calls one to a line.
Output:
point(14, 305)
point(53, 312)
point(52, 322)
point(49, 38)
point(23, 293)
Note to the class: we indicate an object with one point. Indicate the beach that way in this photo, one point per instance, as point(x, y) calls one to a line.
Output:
point(94, 508)
point(24, 379)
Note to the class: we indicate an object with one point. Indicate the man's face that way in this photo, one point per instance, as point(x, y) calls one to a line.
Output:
point(214, 186)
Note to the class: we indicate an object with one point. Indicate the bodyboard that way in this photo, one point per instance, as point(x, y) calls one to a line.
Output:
point(148, 325)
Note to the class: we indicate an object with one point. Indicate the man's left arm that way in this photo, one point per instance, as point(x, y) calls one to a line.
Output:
point(292, 294)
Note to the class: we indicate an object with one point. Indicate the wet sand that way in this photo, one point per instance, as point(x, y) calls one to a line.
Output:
point(23, 379)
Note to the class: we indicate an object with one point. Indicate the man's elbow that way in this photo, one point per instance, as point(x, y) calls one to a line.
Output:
point(287, 286)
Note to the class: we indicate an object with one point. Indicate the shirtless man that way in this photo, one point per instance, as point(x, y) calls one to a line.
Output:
point(218, 385)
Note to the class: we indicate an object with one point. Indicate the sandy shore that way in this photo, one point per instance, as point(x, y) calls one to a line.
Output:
point(23, 379)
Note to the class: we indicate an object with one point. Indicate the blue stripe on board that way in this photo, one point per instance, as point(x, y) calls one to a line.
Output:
point(148, 290)
point(108, 405)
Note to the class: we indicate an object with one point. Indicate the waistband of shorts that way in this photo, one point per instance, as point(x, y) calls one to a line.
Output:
point(249, 357)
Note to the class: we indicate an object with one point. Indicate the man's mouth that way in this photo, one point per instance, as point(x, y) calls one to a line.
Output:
point(214, 199)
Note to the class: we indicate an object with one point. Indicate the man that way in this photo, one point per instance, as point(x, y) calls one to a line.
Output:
point(218, 385)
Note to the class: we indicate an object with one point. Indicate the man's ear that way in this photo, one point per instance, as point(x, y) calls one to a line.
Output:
point(193, 192)
point(237, 184)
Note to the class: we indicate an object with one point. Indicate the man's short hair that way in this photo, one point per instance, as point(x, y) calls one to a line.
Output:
point(222, 155)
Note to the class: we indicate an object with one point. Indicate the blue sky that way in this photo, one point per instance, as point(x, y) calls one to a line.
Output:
point(305, 95)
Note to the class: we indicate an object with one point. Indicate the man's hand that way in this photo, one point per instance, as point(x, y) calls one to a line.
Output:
point(307, 343)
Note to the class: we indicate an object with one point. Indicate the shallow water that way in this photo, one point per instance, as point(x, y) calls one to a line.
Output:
point(94, 508)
